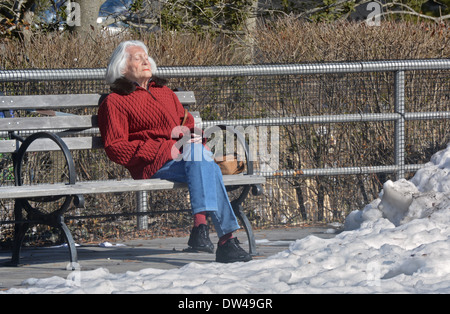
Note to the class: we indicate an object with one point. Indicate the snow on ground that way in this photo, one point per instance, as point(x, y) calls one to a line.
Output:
point(399, 243)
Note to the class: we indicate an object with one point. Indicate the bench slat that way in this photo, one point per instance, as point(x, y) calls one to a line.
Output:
point(39, 102)
point(96, 187)
point(57, 124)
point(72, 122)
point(48, 123)
point(49, 101)
point(40, 145)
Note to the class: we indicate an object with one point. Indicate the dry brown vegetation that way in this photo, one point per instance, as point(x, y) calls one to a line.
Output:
point(288, 40)
point(285, 41)
point(292, 41)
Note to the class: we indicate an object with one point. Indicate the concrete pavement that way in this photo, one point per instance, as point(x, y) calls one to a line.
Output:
point(135, 255)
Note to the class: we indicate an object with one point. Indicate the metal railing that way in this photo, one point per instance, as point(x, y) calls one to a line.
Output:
point(399, 116)
point(208, 83)
point(234, 70)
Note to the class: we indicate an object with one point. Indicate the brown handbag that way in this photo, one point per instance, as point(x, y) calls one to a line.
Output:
point(229, 164)
point(186, 112)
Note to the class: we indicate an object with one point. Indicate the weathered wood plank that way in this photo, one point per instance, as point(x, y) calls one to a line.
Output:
point(96, 187)
point(49, 101)
point(39, 102)
point(42, 145)
point(72, 122)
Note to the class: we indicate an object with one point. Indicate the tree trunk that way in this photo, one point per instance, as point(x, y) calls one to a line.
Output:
point(250, 25)
point(89, 10)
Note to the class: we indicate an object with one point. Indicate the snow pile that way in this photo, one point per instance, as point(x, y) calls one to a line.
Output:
point(403, 201)
point(399, 243)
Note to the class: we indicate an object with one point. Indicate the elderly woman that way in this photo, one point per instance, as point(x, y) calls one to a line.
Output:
point(137, 122)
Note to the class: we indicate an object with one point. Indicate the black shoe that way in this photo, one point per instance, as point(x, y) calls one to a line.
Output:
point(231, 252)
point(199, 239)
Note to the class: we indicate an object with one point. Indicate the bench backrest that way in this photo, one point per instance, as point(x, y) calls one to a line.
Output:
point(57, 122)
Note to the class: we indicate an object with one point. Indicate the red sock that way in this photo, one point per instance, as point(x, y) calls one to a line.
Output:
point(200, 219)
point(223, 239)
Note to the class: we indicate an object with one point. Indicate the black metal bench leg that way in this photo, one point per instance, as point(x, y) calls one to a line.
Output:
point(70, 243)
point(20, 229)
point(238, 210)
point(19, 234)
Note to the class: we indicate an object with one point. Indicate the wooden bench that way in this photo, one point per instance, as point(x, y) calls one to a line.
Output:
point(56, 131)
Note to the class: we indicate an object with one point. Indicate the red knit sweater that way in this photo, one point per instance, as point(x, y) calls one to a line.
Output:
point(136, 128)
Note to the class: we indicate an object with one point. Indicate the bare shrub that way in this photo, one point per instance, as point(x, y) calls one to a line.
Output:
point(289, 40)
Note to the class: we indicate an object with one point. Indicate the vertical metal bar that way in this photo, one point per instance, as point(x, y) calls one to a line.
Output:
point(142, 207)
point(399, 145)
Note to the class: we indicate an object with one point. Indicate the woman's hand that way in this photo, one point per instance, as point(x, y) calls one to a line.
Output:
point(196, 138)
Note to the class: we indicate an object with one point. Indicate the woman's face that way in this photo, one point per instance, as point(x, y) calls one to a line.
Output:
point(138, 68)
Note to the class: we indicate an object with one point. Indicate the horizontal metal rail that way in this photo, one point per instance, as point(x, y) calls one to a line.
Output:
point(234, 70)
point(337, 171)
point(344, 118)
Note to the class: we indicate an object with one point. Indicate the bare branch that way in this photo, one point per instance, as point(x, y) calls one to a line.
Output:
point(435, 19)
point(410, 11)
point(320, 9)
point(128, 19)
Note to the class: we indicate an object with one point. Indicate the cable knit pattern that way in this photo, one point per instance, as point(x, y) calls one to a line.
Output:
point(136, 128)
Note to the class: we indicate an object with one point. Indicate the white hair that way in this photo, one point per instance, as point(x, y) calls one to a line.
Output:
point(119, 59)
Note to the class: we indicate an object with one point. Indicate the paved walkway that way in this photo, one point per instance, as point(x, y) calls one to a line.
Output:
point(134, 255)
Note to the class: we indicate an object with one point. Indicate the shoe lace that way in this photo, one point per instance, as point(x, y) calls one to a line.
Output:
point(204, 232)
point(235, 242)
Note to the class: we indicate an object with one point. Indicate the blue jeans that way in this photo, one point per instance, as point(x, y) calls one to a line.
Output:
point(206, 189)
